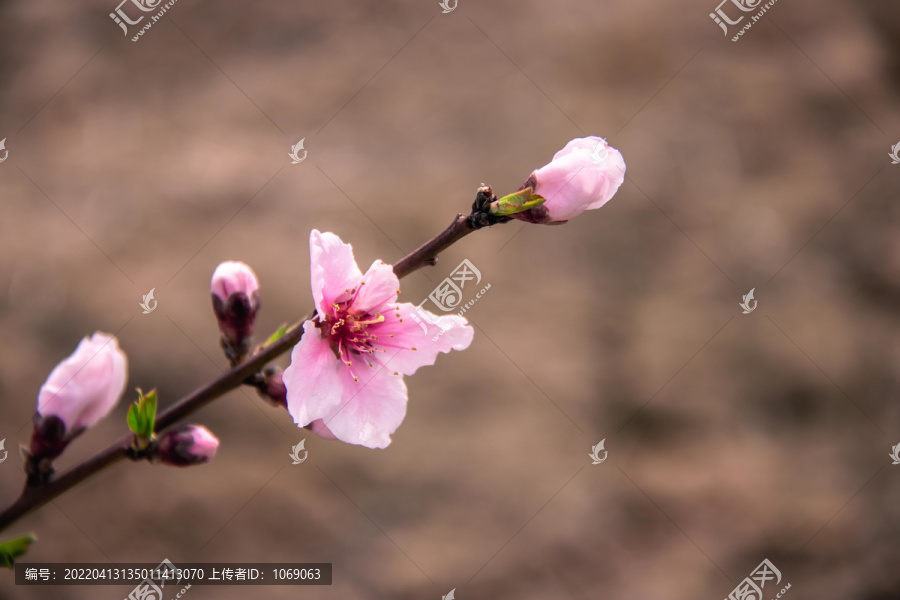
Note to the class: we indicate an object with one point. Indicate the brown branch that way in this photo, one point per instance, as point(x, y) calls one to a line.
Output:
point(35, 497)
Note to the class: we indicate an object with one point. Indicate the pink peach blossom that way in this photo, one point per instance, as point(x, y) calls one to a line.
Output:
point(347, 370)
point(85, 387)
point(582, 176)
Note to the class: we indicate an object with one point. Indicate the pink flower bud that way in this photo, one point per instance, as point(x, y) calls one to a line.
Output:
point(235, 297)
point(582, 176)
point(79, 391)
point(187, 445)
point(272, 387)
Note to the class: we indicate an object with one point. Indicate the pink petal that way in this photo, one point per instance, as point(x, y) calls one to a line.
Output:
point(312, 380)
point(332, 269)
point(563, 187)
point(380, 289)
point(615, 176)
point(585, 143)
point(320, 429)
point(86, 386)
point(428, 333)
point(231, 277)
point(372, 410)
point(205, 443)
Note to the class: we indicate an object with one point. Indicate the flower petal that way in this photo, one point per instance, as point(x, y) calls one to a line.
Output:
point(332, 269)
point(372, 410)
point(380, 289)
point(321, 429)
point(586, 143)
point(615, 175)
point(312, 380)
point(429, 334)
point(233, 276)
point(85, 387)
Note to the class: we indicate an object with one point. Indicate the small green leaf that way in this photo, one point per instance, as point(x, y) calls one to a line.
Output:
point(149, 412)
point(14, 548)
point(133, 419)
point(142, 414)
point(279, 333)
point(515, 203)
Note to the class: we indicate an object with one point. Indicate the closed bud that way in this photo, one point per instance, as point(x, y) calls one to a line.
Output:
point(235, 298)
point(272, 387)
point(582, 176)
point(187, 445)
point(80, 391)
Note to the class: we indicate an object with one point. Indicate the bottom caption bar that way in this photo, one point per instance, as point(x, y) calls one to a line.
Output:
point(150, 577)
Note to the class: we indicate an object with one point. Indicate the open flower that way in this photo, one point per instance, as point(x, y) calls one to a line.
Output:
point(582, 176)
point(80, 391)
point(347, 370)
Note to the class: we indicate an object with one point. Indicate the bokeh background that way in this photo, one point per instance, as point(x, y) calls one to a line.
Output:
point(732, 438)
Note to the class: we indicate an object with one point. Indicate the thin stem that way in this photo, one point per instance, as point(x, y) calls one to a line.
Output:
point(427, 253)
point(35, 497)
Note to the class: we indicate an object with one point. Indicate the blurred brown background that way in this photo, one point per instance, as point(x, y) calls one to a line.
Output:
point(732, 438)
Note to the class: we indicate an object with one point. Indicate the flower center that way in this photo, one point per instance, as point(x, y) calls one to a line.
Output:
point(347, 330)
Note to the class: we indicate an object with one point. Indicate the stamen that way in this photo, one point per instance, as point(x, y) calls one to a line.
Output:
point(379, 362)
point(356, 292)
point(360, 325)
point(350, 368)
